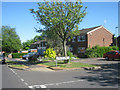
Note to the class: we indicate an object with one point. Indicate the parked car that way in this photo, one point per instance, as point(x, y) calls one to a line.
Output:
point(32, 55)
point(28, 55)
point(111, 55)
point(3, 58)
point(35, 56)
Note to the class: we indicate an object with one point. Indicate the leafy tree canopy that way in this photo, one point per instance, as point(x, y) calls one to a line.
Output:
point(61, 18)
point(10, 40)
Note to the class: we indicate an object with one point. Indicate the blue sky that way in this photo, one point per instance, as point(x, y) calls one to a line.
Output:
point(17, 15)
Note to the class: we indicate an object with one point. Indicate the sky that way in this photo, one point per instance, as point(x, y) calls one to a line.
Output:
point(17, 15)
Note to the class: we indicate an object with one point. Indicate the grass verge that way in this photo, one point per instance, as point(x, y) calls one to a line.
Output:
point(10, 62)
point(69, 65)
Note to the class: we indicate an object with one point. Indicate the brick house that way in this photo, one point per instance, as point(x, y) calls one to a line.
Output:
point(90, 37)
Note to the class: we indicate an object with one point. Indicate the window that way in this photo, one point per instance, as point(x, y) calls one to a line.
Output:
point(81, 50)
point(81, 38)
point(42, 44)
point(71, 49)
point(45, 44)
point(73, 39)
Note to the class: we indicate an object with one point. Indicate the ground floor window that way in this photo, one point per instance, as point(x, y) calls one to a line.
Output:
point(81, 49)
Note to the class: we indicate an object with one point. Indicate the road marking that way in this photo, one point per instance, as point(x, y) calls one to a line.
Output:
point(19, 77)
point(43, 86)
point(63, 82)
point(22, 79)
point(30, 86)
point(26, 83)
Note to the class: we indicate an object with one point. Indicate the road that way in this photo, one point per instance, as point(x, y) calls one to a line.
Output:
point(105, 78)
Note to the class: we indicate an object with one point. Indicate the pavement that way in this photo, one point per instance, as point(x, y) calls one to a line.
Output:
point(107, 77)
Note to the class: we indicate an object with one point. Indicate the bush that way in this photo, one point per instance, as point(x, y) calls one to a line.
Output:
point(70, 54)
point(50, 53)
point(98, 51)
point(18, 55)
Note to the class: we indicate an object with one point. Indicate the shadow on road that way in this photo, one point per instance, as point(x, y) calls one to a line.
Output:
point(107, 76)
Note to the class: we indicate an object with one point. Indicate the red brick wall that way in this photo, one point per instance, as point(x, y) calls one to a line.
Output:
point(96, 38)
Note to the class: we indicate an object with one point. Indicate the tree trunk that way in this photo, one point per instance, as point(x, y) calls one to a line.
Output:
point(64, 48)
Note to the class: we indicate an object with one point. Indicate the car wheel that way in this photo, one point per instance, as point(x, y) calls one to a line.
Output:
point(39, 58)
point(106, 58)
point(26, 58)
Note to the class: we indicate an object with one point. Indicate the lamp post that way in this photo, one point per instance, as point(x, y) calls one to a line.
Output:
point(116, 35)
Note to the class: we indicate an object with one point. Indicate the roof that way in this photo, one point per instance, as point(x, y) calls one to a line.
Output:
point(85, 31)
point(38, 42)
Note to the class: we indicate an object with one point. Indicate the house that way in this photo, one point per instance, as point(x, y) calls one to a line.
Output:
point(41, 43)
point(40, 46)
point(90, 37)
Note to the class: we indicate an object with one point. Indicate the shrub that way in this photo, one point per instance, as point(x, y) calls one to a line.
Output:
point(98, 51)
point(50, 53)
point(18, 55)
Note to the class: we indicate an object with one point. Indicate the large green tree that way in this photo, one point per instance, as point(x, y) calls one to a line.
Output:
point(26, 45)
point(10, 40)
point(62, 18)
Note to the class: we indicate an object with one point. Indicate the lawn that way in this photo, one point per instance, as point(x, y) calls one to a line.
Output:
point(69, 65)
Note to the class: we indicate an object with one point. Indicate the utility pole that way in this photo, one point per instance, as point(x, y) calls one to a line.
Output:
point(116, 35)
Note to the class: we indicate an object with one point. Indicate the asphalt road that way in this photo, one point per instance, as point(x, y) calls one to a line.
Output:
point(10, 79)
point(105, 78)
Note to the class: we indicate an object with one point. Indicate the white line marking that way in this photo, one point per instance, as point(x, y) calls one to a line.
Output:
point(26, 83)
point(22, 79)
point(19, 77)
point(30, 86)
point(64, 82)
point(43, 86)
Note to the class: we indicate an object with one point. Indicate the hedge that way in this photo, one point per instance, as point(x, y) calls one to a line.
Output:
point(98, 51)
point(18, 55)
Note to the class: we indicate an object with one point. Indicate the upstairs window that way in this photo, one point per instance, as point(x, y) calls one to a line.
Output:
point(81, 38)
point(73, 39)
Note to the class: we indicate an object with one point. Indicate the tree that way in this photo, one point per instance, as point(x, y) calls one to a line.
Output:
point(26, 45)
point(37, 38)
point(10, 40)
point(62, 18)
